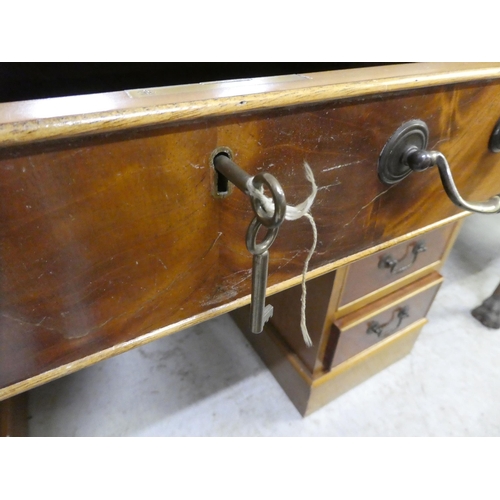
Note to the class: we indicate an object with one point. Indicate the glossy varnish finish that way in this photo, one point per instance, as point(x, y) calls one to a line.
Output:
point(351, 335)
point(106, 239)
point(40, 120)
point(368, 275)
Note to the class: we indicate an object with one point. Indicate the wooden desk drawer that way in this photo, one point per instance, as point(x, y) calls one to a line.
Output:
point(372, 324)
point(111, 236)
point(376, 273)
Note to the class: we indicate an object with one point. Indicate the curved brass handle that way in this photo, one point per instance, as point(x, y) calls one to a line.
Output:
point(389, 262)
point(406, 152)
point(419, 160)
point(378, 329)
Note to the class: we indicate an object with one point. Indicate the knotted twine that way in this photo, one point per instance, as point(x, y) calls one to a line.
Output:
point(295, 213)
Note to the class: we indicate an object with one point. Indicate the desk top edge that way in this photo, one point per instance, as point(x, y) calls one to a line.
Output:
point(27, 122)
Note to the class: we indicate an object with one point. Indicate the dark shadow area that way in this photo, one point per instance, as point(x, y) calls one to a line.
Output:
point(24, 81)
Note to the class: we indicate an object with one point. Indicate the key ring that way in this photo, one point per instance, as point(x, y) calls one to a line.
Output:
point(259, 248)
point(251, 186)
point(278, 198)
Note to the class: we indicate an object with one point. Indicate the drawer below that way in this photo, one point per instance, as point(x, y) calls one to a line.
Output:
point(394, 264)
point(366, 327)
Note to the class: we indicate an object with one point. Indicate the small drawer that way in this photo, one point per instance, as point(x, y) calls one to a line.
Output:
point(372, 324)
point(393, 265)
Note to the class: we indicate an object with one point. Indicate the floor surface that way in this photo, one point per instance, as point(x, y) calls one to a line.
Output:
point(207, 380)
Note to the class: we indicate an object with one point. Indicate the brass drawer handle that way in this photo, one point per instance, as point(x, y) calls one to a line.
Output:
point(382, 331)
point(406, 152)
point(390, 262)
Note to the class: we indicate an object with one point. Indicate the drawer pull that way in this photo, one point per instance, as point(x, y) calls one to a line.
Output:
point(406, 152)
point(386, 329)
point(390, 262)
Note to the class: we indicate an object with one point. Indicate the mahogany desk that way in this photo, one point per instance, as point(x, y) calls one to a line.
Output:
point(112, 232)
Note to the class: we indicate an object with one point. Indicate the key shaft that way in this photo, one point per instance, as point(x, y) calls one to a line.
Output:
point(259, 312)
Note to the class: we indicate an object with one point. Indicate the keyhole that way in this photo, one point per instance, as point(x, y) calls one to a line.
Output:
point(221, 185)
point(222, 181)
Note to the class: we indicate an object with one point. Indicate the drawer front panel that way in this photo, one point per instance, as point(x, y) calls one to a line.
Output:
point(389, 266)
point(109, 241)
point(359, 331)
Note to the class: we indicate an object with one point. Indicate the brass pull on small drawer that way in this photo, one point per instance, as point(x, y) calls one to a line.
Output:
point(382, 331)
point(390, 262)
point(406, 152)
point(386, 268)
point(379, 321)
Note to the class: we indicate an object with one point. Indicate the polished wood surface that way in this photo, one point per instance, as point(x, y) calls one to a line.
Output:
point(113, 240)
point(350, 335)
point(76, 116)
point(14, 416)
point(367, 276)
point(344, 277)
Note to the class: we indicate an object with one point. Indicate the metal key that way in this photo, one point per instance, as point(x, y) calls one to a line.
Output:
point(259, 312)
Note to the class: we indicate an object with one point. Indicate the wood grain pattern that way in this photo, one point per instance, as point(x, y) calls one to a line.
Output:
point(69, 117)
point(110, 241)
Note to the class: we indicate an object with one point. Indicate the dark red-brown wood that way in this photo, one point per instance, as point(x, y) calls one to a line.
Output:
point(14, 416)
point(367, 275)
point(104, 239)
point(350, 336)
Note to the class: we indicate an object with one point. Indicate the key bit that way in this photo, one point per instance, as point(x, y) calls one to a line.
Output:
point(268, 313)
point(259, 312)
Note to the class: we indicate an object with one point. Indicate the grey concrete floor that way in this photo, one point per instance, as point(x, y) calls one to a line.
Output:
point(207, 380)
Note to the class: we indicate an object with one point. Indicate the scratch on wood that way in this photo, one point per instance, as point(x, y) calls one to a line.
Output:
point(213, 244)
point(336, 183)
point(286, 261)
point(93, 329)
point(247, 273)
point(369, 203)
point(162, 263)
point(227, 295)
point(72, 335)
point(341, 166)
point(231, 290)
point(180, 276)
point(22, 322)
point(439, 142)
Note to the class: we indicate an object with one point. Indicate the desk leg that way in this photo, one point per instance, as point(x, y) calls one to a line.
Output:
point(488, 313)
point(14, 416)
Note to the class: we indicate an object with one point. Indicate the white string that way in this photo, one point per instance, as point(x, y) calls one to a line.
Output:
point(294, 213)
point(303, 326)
